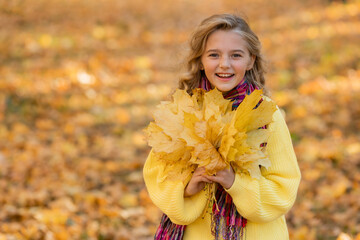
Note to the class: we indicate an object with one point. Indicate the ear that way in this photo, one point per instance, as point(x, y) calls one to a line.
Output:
point(201, 66)
point(251, 62)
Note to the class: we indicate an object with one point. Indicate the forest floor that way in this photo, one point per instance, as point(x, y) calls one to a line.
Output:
point(79, 81)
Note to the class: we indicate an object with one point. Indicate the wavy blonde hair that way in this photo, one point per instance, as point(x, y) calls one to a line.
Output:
point(228, 22)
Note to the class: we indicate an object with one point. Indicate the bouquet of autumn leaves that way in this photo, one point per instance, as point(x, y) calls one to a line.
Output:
point(202, 130)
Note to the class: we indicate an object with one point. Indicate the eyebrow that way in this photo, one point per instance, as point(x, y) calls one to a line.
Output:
point(217, 50)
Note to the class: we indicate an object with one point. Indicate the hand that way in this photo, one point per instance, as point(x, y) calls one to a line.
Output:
point(197, 182)
point(224, 177)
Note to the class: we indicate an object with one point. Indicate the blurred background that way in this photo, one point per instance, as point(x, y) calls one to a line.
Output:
point(79, 80)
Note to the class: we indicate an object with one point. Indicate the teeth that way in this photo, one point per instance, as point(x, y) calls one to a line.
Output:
point(224, 75)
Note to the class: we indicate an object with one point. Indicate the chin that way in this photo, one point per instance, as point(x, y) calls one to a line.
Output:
point(224, 89)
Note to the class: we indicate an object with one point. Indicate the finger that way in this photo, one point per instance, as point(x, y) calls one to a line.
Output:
point(201, 178)
point(221, 172)
point(199, 171)
point(212, 178)
point(204, 179)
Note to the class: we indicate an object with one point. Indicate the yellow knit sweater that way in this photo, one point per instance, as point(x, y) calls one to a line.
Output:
point(262, 202)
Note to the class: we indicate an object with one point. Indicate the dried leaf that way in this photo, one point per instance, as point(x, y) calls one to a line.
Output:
point(241, 143)
point(202, 130)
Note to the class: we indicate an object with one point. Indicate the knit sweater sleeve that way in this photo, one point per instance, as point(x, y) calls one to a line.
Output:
point(169, 195)
point(274, 194)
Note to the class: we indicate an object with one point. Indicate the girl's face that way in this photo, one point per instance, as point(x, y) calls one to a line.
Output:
point(226, 59)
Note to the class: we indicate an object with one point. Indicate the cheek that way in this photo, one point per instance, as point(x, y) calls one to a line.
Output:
point(243, 66)
point(210, 65)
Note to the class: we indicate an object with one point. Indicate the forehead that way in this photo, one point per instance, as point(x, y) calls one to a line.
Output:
point(222, 39)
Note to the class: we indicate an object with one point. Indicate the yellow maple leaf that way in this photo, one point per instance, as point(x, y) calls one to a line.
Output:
point(214, 99)
point(160, 141)
point(207, 156)
point(214, 130)
point(241, 143)
point(262, 115)
point(202, 131)
point(170, 122)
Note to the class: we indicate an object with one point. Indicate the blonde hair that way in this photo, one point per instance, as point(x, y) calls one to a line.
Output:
point(228, 22)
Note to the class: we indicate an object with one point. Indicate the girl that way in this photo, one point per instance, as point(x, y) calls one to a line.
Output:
point(225, 53)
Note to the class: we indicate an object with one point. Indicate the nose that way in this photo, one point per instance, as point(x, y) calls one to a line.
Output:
point(224, 62)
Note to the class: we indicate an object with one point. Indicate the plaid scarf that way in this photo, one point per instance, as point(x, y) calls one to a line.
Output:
point(226, 222)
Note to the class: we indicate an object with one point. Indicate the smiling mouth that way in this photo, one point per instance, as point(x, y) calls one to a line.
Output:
point(224, 75)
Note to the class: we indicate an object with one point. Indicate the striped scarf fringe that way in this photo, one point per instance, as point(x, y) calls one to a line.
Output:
point(226, 222)
point(169, 230)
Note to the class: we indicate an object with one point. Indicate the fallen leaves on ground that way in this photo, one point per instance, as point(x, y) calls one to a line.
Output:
point(80, 79)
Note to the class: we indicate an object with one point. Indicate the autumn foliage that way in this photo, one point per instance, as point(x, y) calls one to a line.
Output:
point(79, 81)
point(202, 130)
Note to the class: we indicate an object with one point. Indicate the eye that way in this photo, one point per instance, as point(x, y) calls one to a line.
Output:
point(213, 55)
point(237, 55)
